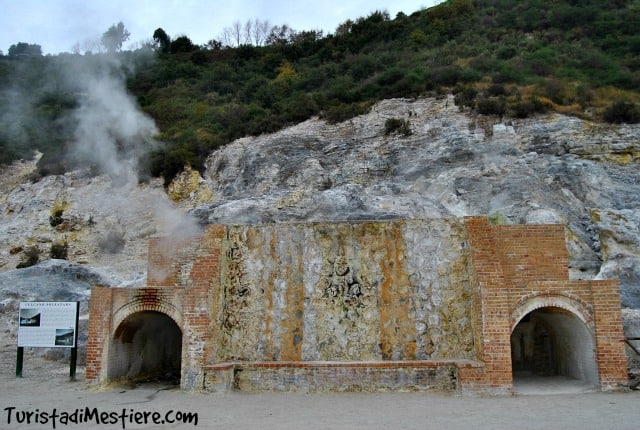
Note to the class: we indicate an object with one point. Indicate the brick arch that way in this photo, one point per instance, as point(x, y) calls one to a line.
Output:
point(147, 341)
point(140, 305)
point(566, 301)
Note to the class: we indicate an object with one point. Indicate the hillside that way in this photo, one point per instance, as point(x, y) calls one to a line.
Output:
point(499, 57)
point(549, 169)
point(357, 125)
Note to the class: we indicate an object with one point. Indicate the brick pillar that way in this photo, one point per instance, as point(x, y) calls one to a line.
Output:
point(610, 349)
point(493, 307)
point(197, 306)
point(98, 331)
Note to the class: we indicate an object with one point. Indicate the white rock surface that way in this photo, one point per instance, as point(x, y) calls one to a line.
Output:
point(545, 169)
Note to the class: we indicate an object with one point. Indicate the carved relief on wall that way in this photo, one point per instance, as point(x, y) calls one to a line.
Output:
point(236, 288)
point(340, 283)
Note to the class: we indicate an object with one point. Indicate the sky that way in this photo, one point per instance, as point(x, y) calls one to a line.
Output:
point(59, 25)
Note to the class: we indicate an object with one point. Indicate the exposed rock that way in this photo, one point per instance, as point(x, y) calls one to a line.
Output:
point(189, 189)
point(53, 280)
point(631, 324)
point(620, 245)
point(92, 213)
point(550, 168)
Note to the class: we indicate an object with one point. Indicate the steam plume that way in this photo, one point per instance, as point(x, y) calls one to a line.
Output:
point(112, 132)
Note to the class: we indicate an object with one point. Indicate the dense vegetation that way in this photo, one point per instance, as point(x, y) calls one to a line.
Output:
point(499, 57)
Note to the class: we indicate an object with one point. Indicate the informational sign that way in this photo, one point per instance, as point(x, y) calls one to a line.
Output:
point(47, 324)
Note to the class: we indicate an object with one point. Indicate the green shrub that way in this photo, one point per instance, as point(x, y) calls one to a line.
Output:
point(59, 250)
point(491, 106)
point(465, 96)
point(497, 90)
point(338, 112)
point(620, 112)
point(447, 76)
point(52, 164)
point(554, 90)
point(525, 107)
point(417, 39)
point(397, 125)
point(360, 66)
point(55, 219)
point(301, 107)
point(30, 258)
point(506, 52)
point(584, 95)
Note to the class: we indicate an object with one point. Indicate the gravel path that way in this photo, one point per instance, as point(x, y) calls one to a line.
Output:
point(45, 387)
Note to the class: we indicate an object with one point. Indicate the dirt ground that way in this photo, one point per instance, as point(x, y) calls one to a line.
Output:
point(45, 387)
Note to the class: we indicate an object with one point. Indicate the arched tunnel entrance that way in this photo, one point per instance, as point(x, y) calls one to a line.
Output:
point(147, 346)
point(551, 348)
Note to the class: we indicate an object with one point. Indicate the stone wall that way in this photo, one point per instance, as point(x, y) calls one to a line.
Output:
point(348, 291)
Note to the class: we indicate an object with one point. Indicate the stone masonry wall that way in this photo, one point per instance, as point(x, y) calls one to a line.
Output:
point(345, 291)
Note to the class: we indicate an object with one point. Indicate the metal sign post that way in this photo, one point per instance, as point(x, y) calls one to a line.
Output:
point(74, 350)
point(48, 325)
point(19, 362)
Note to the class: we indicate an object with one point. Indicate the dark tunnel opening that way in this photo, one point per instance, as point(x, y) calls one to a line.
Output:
point(553, 342)
point(146, 347)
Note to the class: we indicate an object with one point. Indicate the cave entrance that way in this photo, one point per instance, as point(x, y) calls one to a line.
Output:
point(553, 350)
point(146, 347)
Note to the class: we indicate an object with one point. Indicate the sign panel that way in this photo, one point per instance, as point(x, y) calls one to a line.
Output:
point(47, 324)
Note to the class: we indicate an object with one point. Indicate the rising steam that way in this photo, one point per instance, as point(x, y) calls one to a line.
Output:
point(112, 134)
point(107, 134)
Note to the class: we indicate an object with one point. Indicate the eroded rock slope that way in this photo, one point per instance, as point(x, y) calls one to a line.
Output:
point(547, 169)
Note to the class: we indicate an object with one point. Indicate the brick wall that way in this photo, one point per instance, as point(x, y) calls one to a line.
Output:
point(517, 269)
point(610, 352)
point(201, 289)
point(100, 309)
point(166, 258)
point(109, 307)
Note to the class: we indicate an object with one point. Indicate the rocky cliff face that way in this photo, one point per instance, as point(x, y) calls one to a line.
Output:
point(548, 169)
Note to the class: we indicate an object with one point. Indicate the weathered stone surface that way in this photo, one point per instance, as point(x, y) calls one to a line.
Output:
point(620, 245)
point(326, 379)
point(52, 280)
point(547, 169)
point(631, 322)
point(189, 188)
point(104, 226)
point(375, 291)
point(550, 168)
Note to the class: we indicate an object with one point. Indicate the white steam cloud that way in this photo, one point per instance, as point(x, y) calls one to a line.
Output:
point(112, 132)
point(105, 131)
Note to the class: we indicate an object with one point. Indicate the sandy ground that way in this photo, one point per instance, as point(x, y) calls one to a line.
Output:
point(45, 387)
